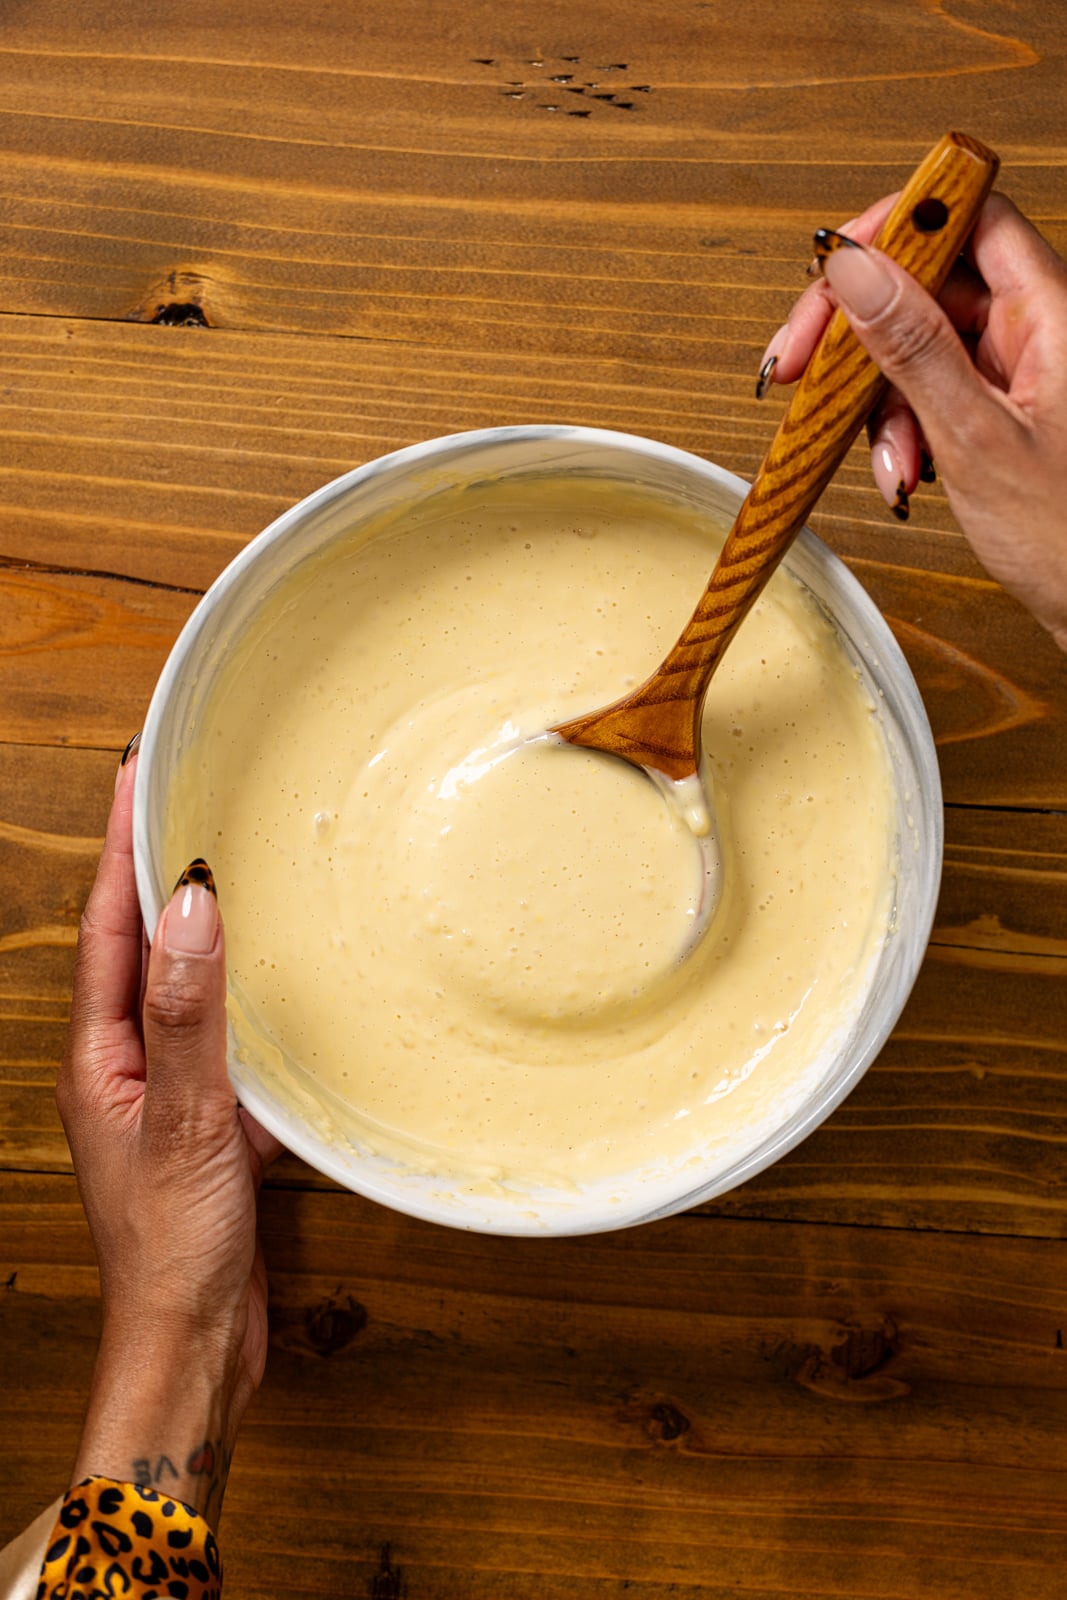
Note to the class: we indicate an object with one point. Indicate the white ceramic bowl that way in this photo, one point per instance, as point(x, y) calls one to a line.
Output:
point(522, 454)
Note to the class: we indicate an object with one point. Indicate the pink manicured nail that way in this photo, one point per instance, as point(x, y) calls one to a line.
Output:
point(889, 476)
point(858, 278)
point(192, 921)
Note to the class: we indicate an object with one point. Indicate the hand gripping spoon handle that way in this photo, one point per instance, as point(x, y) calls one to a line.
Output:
point(657, 727)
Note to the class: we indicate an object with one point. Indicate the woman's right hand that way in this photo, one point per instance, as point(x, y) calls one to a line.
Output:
point(981, 378)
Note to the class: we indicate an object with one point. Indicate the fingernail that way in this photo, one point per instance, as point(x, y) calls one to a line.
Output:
point(193, 914)
point(127, 755)
point(771, 357)
point(827, 240)
point(927, 470)
point(766, 373)
point(890, 480)
point(857, 276)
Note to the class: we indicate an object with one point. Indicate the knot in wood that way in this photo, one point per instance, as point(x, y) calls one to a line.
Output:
point(671, 1422)
point(187, 315)
point(864, 1350)
point(333, 1324)
point(179, 299)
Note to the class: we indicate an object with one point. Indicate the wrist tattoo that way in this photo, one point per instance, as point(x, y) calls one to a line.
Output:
point(209, 1461)
point(147, 1474)
point(201, 1464)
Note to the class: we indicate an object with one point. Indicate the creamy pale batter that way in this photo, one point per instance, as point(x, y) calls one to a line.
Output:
point(471, 943)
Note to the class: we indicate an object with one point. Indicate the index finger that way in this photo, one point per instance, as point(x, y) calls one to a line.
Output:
point(107, 977)
point(809, 315)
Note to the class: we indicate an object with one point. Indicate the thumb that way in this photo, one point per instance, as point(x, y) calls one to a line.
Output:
point(184, 1016)
point(912, 341)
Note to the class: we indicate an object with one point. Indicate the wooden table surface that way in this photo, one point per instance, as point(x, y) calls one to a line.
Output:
point(246, 247)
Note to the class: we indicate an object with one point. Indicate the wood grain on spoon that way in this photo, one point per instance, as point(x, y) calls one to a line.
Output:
point(658, 726)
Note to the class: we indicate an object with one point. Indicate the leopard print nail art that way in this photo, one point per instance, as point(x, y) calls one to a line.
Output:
point(197, 872)
point(827, 240)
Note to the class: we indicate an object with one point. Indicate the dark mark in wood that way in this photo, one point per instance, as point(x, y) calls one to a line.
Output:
point(10, 1283)
point(579, 113)
point(333, 1324)
point(388, 1582)
point(187, 315)
point(1059, 1331)
point(672, 1422)
point(864, 1350)
point(21, 564)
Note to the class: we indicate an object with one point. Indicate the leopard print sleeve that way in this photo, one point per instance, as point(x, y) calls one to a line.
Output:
point(119, 1539)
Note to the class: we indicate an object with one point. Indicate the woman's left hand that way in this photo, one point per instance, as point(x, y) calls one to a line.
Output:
point(169, 1168)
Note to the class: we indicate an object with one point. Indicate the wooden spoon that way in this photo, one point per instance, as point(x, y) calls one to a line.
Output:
point(657, 727)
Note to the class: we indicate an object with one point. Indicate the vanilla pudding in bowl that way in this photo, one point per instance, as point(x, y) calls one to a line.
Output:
point(462, 973)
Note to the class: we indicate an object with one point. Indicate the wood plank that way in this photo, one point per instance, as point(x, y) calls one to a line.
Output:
point(697, 1407)
point(960, 1123)
point(153, 454)
point(85, 654)
point(421, 176)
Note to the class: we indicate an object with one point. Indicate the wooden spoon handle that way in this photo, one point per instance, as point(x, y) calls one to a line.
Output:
point(841, 385)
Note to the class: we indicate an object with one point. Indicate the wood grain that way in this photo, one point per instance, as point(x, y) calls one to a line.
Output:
point(697, 1407)
point(370, 175)
point(154, 454)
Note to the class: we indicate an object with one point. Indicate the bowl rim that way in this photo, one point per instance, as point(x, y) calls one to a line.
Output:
point(891, 660)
